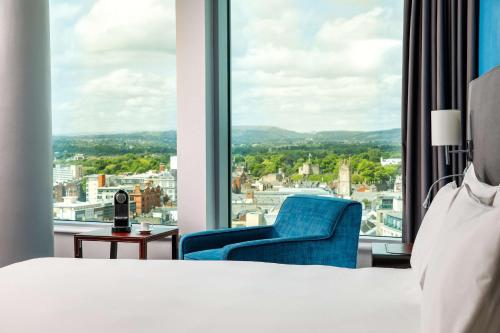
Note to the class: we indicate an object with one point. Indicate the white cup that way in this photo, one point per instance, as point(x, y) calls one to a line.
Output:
point(145, 226)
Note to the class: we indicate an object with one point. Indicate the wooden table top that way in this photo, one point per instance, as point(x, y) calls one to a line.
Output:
point(107, 234)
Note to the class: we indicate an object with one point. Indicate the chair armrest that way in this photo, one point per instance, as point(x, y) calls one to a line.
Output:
point(262, 249)
point(214, 239)
point(311, 250)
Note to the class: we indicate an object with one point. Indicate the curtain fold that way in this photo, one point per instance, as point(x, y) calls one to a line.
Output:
point(439, 61)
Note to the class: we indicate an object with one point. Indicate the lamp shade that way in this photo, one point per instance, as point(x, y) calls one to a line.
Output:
point(446, 127)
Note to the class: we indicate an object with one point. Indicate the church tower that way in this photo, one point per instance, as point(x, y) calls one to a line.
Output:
point(344, 188)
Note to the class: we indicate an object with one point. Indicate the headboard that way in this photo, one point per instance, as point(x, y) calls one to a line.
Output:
point(484, 126)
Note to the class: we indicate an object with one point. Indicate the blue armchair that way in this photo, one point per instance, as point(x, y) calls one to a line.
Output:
point(309, 230)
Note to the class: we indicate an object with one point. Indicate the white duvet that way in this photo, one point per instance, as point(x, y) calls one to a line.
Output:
point(58, 295)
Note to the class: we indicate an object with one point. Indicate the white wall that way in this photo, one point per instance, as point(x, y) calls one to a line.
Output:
point(25, 132)
point(191, 116)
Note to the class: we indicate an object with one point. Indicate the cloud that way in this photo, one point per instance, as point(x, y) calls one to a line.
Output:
point(62, 10)
point(123, 101)
point(128, 25)
point(370, 25)
point(306, 74)
point(113, 66)
point(364, 57)
point(297, 64)
point(313, 104)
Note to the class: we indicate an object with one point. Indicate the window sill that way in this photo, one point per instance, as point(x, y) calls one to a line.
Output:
point(73, 227)
point(379, 239)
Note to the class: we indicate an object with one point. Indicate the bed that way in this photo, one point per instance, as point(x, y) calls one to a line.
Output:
point(58, 295)
point(93, 295)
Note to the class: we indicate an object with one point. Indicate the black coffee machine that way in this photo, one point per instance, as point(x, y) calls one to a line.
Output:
point(122, 210)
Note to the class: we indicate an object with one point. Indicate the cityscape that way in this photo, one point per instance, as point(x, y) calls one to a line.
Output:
point(326, 114)
point(264, 174)
point(153, 194)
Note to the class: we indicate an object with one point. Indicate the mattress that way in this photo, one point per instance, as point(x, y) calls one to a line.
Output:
point(92, 295)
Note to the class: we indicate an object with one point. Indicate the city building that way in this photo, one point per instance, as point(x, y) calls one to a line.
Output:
point(69, 189)
point(389, 223)
point(167, 181)
point(107, 193)
point(102, 187)
point(73, 210)
point(273, 178)
point(146, 199)
point(93, 182)
point(64, 173)
point(277, 179)
point(308, 169)
point(344, 183)
point(390, 161)
point(173, 162)
point(58, 192)
point(238, 182)
point(159, 215)
point(101, 180)
point(398, 184)
point(268, 202)
point(254, 219)
point(73, 189)
point(261, 186)
point(239, 168)
point(385, 202)
point(389, 220)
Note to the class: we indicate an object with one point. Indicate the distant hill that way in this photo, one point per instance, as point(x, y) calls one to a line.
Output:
point(240, 135)
point(383, 136)
point(154, 137)
point(115, 144)
point(265, 134)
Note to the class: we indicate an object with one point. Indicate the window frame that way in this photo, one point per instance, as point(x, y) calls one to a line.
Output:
point(223, 19)
point(93, 221)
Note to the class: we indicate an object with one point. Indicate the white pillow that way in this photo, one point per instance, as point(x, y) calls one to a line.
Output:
point(427, 235)
point(462, 280)
point(484, 192)
point(496, 202)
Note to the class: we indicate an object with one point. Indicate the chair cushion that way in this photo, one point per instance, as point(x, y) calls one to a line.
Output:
point(308, 215)
point(213, 254)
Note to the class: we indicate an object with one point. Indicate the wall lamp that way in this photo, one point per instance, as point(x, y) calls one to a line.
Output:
point(446, 130)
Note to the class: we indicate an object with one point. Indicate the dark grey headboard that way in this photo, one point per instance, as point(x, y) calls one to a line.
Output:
point(484, 129)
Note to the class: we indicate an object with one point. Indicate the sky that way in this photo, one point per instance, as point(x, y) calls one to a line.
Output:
point(113, 66)
point(315, 65)
point(303, 65)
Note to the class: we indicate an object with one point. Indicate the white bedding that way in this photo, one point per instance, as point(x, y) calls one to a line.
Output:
point(58, 295)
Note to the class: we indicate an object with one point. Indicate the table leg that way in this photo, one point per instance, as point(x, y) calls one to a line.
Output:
point(78, 248)
point(175, 246)
point(143, 250)
point(113, 251)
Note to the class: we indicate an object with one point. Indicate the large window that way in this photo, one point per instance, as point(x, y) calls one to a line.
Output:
point(316, 95)
point(114, 109)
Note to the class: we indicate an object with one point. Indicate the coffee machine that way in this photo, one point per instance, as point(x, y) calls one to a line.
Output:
point(122, 211)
